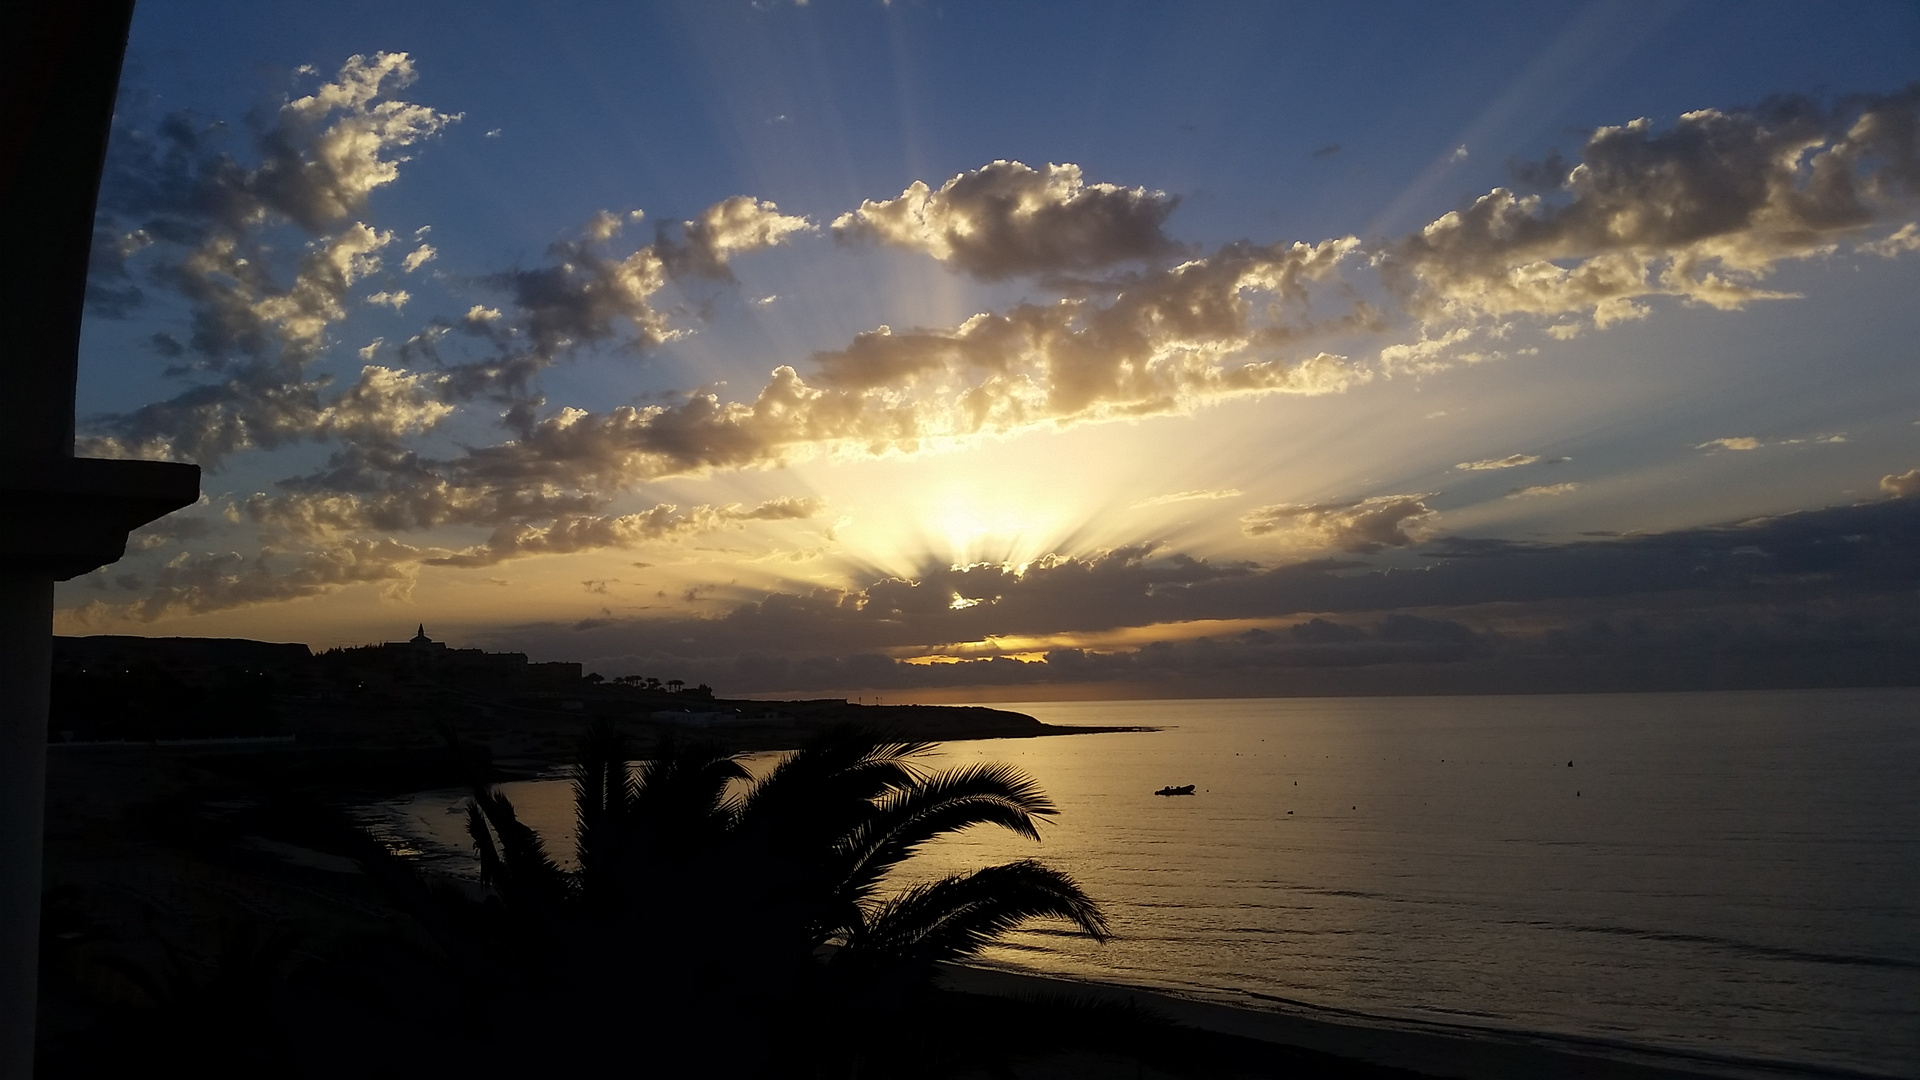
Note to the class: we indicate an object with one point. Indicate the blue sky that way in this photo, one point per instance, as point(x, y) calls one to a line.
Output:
point(1181, 290)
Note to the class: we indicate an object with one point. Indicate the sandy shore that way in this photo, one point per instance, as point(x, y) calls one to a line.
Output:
point(1439, 1050)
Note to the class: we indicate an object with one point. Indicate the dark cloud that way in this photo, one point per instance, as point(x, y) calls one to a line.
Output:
point(1696, 650)
point(1369, 525)
point(1824, 563)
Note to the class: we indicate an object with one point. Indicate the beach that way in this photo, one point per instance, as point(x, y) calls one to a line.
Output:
point(1427, 1049)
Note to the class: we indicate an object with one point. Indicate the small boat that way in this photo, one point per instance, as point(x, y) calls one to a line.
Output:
point(1186, 789)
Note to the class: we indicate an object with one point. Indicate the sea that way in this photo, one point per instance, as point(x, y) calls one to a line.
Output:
point(1728, 881)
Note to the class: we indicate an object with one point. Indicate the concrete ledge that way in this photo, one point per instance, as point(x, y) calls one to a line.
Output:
point(72, 515)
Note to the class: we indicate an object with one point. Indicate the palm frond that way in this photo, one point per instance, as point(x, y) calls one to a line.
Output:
point(512, 858)
point(845, 762)
point(681, 793)
point(957, 916)
point(604, 789)
point(906, 818)
point(818, 794)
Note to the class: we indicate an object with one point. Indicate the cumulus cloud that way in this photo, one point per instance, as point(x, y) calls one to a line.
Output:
point(1006, 220)
point(1702, 211)
point(1904, 485)
point(262, 411)
point(727, 228)
point(318, 161)
point(1511, 461)
point(1737, 442)
point(1169, 342)
point(1382, 521)
point(1166, 339)
point(791, 419)
point(202, 222)
point(589, 293)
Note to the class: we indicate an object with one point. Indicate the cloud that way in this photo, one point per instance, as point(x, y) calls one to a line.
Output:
point(203, 225)
point(1166, 339)
point(1539, 490)
point(1006, 220)
point(727, 228)
point(791, 419)
point(418, 258)
point(1170, 341)
point(1906, 239)
point(197, 584)
point(1371, 524)
point(191, 584)
point(1904, 485)
point(1188, 496)
point(172, 529)
point(1738, 442)
point(580, 295)
point(1701, 211)
point(319, 159)
point(1430, 354)
point(1762, 567)
point(589, 294)
point(567, 535)
point(251, 411)
point(388, 489)
point(1509, 462)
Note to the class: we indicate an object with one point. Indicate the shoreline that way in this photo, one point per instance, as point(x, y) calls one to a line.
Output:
point(1433, 1048)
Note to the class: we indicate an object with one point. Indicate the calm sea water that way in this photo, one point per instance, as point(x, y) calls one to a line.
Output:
point(1732, 874)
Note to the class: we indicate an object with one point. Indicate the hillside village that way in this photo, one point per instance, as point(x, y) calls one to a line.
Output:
point(412, 695)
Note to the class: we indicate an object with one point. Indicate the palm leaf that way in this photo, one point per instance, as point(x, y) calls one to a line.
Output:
point(959, 915)
point(906, 818)
point(519, 867)
point(604, 789)
point(822, 789)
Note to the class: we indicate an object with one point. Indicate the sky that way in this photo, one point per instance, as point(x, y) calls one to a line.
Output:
point(977, 351)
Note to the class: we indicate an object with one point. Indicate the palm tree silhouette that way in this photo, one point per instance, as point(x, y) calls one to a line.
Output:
point(711, 901)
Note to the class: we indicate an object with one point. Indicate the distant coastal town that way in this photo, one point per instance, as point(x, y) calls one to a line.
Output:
point(409, 695)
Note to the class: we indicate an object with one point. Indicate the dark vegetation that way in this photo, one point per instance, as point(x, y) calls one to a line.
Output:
point(213, 915)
